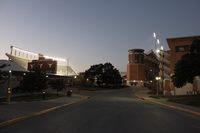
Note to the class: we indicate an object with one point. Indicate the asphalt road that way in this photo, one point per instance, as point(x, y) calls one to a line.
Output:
point(109, 112)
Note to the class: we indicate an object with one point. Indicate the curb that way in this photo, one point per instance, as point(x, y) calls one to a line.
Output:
point(169, 106)
point(25, 117)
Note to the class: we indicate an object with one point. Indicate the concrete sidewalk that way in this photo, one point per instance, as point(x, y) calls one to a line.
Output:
point(142, 93)
point(17, 111)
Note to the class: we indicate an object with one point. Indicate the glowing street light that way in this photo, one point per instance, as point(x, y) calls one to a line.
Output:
point(9, 90)
point(157, 51)
point(160, 54)
point(157, 79)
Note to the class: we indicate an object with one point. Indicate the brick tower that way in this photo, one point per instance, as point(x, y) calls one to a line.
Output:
point(135, 67)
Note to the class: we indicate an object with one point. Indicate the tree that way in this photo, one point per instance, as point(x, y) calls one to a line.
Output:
point(3, 74)
point(34, 82)
point(94, 73)
point(195, 47)
point(103, 75)
point(188, 67)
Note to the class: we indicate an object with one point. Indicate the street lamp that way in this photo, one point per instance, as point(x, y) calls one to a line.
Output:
point(160, 54)
point(157, 79)
point(161, 64)
point(9, 90)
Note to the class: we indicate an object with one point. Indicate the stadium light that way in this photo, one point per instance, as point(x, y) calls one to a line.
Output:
point(154, 35)
point(55, 58)
point(24, 51)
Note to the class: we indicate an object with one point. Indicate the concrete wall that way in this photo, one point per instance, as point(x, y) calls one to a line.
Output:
point(188, 89)
point(196, 84)
point(185, 90)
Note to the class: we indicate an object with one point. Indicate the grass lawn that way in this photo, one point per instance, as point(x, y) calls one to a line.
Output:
point(187, 100)
point(34, 97)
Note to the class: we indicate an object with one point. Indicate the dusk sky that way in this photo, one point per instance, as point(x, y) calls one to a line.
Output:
point(89, 32)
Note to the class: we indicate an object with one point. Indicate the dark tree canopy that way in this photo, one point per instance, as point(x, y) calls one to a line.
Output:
point(195, 47)
point(3, 73)
point(34, 82)
point(188, 67)
point(103, 75)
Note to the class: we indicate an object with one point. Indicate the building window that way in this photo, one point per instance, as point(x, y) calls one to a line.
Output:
point(139, 58)
point(136, 58)
point(184, 48)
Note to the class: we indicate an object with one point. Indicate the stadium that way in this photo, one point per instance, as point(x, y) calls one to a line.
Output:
point(20, 62)
point(23, 57)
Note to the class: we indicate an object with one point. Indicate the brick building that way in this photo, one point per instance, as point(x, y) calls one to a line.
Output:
point(151, 68)
point(178, 47)
point(135, 67)
point(144, 67)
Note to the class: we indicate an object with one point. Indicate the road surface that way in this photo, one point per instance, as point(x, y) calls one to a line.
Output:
point(115, 111)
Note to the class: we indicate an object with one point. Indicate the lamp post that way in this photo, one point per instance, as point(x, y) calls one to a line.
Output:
point(9, 90)
point(67, 84)
point(157, 89)
point(160, 54)
point(161, 65)
point(162, 68)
